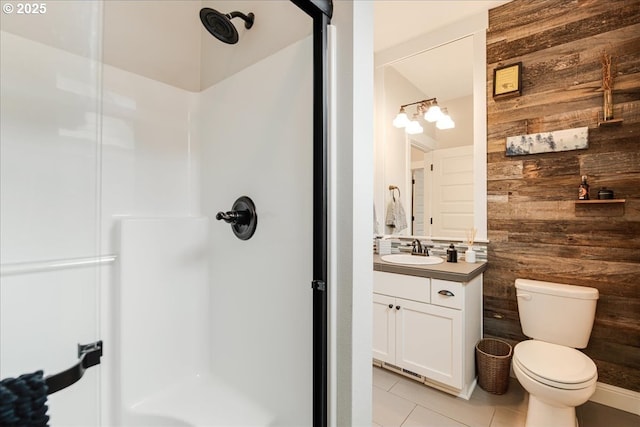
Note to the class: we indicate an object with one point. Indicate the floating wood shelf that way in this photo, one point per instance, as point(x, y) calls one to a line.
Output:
point(612, 122)
point(600, 208)
point(600, 201)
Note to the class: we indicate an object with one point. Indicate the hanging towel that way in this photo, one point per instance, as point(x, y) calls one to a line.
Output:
point(23, 401)
point(390, 218)
point(396, 217)
point(401, 216)
point(375, 221)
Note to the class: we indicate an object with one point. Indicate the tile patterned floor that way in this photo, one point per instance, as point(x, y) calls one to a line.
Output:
point(402, 402)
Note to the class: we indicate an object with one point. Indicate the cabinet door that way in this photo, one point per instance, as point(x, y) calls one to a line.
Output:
point(384, 327)
point(429, 341)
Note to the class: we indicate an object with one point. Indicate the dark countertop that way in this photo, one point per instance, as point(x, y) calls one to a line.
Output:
point(454, 271)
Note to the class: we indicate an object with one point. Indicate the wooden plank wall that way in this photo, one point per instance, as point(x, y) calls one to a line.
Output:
point(536, 229)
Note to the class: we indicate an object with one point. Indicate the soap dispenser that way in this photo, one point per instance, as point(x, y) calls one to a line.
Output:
point(452, 254)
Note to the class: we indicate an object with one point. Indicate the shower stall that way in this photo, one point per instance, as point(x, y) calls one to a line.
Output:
point(126, 128)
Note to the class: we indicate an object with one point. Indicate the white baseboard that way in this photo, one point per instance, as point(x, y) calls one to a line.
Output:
point(616, 397)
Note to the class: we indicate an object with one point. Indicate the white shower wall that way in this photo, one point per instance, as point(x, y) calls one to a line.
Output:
point(49, 148)
point(256, 133)
point(149, 169)
point(83, 145)
point(109, 144)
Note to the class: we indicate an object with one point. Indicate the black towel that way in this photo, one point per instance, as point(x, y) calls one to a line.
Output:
point(23, 401)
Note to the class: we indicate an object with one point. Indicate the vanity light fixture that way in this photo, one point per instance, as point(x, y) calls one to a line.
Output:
point(446, 122)
point(429, 109)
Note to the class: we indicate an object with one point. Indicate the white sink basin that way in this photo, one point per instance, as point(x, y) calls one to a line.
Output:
point(411, 259)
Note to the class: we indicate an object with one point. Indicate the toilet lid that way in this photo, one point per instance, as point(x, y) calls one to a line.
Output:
point(555, 365)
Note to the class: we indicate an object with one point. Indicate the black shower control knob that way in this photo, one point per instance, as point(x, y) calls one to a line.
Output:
point(242, 217)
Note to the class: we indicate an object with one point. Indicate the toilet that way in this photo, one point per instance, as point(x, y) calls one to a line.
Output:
point(558, 318)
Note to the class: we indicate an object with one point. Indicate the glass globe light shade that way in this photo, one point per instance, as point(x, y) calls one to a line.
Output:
point(433, 114)
point(413, 128)
point(401, 119)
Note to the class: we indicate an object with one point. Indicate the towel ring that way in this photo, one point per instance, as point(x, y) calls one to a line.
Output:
point(393, 194)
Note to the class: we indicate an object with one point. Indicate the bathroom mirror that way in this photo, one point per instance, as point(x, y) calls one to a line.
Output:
point(451, 198)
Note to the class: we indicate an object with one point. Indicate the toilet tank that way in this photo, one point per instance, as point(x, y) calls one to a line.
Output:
point(556, 313)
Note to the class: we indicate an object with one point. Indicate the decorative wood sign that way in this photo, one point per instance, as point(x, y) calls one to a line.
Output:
point(507, 81)
point(548, 142)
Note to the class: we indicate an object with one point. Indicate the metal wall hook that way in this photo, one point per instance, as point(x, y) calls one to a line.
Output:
point(242, 217)
point(88, 354)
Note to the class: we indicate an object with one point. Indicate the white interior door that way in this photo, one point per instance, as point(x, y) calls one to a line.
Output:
point(418, 203)
point(452, 191)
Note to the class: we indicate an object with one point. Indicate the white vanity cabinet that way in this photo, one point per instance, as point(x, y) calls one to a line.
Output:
point(427, 328)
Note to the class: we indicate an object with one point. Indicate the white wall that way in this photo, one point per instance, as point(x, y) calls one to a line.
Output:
point(156, 39)
point(461, 111)
point(256, 134)
point(353, 189)
point(72, 26)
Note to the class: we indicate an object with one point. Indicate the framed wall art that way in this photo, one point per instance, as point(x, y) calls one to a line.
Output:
point(548, 142)
point(507, 81)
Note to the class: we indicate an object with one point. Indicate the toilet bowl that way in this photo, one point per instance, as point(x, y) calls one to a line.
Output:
point(557, 379)
point(558, 318)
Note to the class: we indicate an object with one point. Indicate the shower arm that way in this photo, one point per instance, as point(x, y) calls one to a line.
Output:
point(248, 19)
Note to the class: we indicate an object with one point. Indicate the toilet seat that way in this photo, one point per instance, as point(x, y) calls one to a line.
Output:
point(555, 365)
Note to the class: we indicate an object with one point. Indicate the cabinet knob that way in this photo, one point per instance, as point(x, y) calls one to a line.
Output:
point(446, 293)
point(390, 305)
point(397, 307)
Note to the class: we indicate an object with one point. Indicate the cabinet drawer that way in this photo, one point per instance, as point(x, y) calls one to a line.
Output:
point(446, 293)
point(402, 286)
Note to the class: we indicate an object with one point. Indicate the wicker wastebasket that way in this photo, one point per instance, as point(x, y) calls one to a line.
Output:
point(493, 363)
